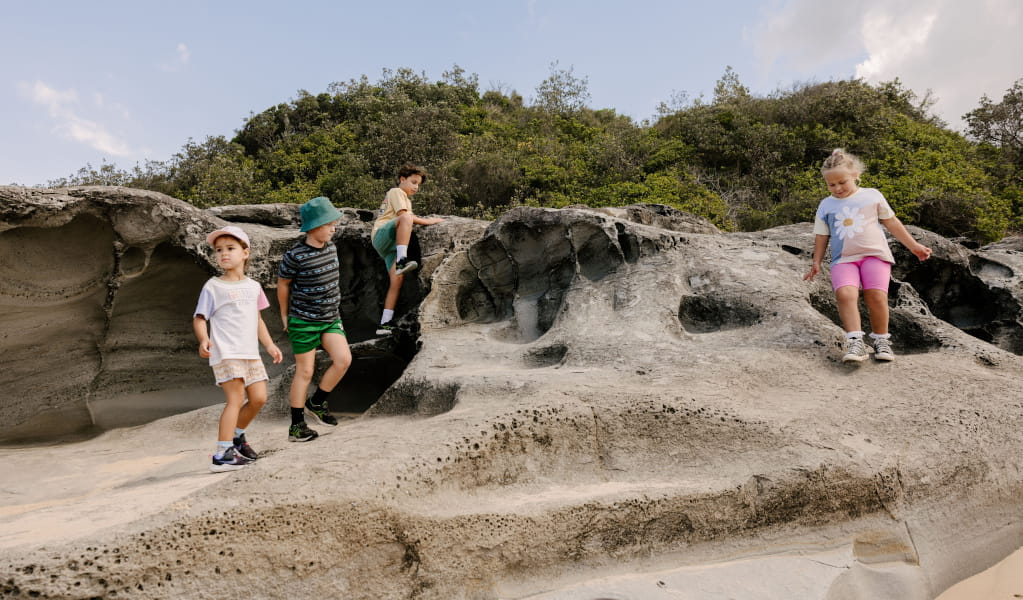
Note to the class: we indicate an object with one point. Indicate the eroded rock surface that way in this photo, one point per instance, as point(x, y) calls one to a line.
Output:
point(593, 396)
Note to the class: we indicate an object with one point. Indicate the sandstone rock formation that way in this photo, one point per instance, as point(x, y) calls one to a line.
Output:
point(605, 403)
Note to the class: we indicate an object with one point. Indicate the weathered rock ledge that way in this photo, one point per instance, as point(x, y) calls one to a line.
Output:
point(588, 394)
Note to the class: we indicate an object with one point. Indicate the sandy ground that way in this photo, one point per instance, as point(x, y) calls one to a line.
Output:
point(61, 492)
point(1003, 581)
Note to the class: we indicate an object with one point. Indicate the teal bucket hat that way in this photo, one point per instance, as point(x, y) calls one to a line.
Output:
point(316, 212)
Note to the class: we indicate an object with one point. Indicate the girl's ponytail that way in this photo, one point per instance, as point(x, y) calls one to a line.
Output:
point(844, 161)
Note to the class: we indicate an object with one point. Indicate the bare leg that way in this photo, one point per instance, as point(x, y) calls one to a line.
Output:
point(877, 304)
point(848, 297)
point(257, 398)
point(403, 229)
point(336, 346)
point(305, 364)
point(393, 289)
point(234, 391)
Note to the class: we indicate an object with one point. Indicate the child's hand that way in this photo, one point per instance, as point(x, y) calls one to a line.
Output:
point(284, 322)
point(922, 252)
point(275, 353)
point(204, 348)
point(435, 220)
point(813, 272)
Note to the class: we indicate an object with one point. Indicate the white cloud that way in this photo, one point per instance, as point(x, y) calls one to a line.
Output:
point(183, 53)
point(959, 50)
point(182, 56)
point(62, 107)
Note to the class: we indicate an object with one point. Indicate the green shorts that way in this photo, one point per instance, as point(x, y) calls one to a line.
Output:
point(305, 335)
point(384, 242)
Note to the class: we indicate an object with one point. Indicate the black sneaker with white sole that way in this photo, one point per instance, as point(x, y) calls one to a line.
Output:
point(231, 460)
point(320, 415)
point(405, 266)
point(300, 432)
point(242, 447)
point(386, 328)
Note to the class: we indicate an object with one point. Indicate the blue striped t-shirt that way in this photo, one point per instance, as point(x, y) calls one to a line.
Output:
point(314, 275)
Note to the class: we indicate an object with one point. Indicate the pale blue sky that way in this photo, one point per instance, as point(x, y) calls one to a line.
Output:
point(124, 81)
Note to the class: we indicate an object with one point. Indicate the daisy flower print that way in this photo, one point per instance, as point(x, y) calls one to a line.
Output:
point(849, 222)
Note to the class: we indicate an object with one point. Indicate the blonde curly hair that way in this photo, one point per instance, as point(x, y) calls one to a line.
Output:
point(840, 160)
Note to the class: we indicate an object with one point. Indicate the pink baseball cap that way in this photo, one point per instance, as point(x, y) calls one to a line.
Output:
point(230, 230)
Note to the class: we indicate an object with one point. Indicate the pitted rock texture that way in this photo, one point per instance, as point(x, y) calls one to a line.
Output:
point(590, 394)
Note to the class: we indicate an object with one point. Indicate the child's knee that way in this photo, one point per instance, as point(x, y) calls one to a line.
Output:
point(875, 297)
point(304, 372)
point(257, 400)
point(847, 293)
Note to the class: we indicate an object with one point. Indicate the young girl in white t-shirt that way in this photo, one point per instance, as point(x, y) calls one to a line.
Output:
point(231, 304)
point(851, 218)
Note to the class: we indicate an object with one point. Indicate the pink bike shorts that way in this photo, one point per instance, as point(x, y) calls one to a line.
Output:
point(870, 273)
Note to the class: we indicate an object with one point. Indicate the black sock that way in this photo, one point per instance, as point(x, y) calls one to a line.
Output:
point(319, 398)
point(297, 415)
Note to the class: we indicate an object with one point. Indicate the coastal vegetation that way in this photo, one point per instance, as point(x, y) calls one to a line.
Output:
point(745, 162)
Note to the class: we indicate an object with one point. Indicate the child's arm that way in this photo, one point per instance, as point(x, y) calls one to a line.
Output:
point(820, 243)
point(416, 220)
point(900, 232)
point(268, 342)
point(283, 299)
point(199, 327)
point(426, 221)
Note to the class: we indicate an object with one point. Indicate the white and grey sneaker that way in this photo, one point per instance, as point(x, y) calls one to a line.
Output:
point(883, 349)
point(404, 266)
point(855, 350)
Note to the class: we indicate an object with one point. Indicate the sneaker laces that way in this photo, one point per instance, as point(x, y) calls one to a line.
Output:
point(882, 345)
point(854, 346)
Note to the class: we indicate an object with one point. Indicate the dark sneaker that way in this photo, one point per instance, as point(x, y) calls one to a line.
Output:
point(386, 328)
point(404, 266)
point(301, 433)
point(883, 349)
point(855, 350)
point(230, 461)
point(242, 447)
point(320, 415)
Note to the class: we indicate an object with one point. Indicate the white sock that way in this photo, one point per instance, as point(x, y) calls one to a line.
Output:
point(402, 251)
point(880, 336)
point(238, 432)
point(854, 334)
point(388, 315)
point(222, 448)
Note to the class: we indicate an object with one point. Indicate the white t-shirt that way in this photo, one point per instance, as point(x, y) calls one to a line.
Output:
point(854, 226)
point(232, 308)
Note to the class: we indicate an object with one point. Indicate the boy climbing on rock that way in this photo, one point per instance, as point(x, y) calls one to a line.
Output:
point(391, 234)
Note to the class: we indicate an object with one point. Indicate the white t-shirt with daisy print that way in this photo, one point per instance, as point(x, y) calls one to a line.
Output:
point(854, 226)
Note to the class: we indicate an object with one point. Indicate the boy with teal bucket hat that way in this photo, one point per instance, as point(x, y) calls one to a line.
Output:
point(309, 297)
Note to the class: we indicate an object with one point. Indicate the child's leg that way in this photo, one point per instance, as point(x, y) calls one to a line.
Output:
point(305, 364)
point(402, 236)
point(845, 280)
point(336, 346)
point(877, 304)
point(234, 391)
point(848, 299)
point(257, 398)
point(876, 274)
point(403, 229)
point(393, 290)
